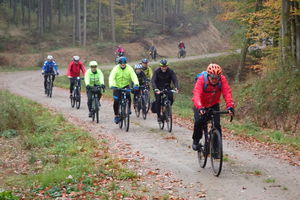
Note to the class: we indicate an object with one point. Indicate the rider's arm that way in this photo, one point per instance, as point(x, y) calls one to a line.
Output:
point(197, 91)
point(82, 68)
point(101, 77)
point(87, 78)
point(111, 79)
point(55, 66)
point(154, 78)
point(44, 66)
point(133, 77)
point(150, 72)
point(174, 79)
point(226, 91)
point(69, 69)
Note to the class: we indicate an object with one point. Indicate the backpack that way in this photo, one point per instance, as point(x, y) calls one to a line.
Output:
point(204, 73)
point(153, 107)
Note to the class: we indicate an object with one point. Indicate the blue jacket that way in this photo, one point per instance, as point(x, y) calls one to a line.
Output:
point(48, 67)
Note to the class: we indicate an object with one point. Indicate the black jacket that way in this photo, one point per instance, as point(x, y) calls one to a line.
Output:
point(162, 80)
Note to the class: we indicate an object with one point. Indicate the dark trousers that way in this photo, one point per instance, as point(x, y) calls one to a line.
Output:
point(158, 101)
point(45, 80)
point(72, 83)
point(117, 97)
point(89, 94)
point(200, 121)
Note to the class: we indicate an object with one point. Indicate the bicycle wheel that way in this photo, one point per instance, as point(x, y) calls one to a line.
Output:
point(50, 88)
point(216, 152)
point(97, 109)
point(121, 112)
point(93, 108)
point(168, 114)
point(73, 98)
point(203, 151)
point(144, 106)
point(127, 117)
point(147, 101)
point(137, 107)
point(78, 98)
point(161, 123)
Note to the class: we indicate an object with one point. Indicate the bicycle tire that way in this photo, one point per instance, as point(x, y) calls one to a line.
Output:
point(161, 123)
point(121, 115)
point(73, 98)
point(93, 108)
point(127, 117)
point(48, 86)
point(144, 108)
point(137, 108)
point(216, 154)
point(148, 102)
point(169, 120)
point(51, 87)
point(97, 109)
point(78, 99)
point(203, 151)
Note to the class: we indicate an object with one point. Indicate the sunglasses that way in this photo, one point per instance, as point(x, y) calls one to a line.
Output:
point(93, 66)
point(215, 77)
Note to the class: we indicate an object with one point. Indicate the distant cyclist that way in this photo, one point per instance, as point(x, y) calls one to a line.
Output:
point(120, 51)
point(121, 76)
point(153, 52)
point(93, 77)
point(181, 47)
point(162, 79)
point(138, 68)
point(207, 92)
point(49, 67)
point(73, 71)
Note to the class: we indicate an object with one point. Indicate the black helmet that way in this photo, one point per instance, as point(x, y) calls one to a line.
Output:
point(145, 60)
point(163, 62)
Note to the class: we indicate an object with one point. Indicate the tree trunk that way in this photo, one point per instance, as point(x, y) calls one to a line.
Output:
point(112, 16)
point(297, 34)
point(74, 21)
point(41, 16)
point(29, 14)
point(163, 14)
point(50, 14)
point(100, 36)
point(59, 11)
point(285, 32)
point(14, 19)
point(23, 12)
point(84, 23)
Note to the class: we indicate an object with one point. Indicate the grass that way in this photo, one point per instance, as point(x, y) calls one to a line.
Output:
point(60, 156)
point(269, 180)
point(16, 69)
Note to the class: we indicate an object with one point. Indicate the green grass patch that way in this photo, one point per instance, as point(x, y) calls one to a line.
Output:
point(269, 180)
point(60, 156)
point(16, 69)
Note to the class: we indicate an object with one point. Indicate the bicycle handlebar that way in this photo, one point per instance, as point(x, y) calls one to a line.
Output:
point(214, 112)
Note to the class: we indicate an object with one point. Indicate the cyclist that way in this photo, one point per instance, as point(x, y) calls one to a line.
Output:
point(73, 71)
point(181, 47)
point(93, 77)
point(120, 51)
point(147, 69)
point(138, 68)
point(47, 69)
point(162, 78)
point(209, 97)
point(121, 77)
point(153, 52)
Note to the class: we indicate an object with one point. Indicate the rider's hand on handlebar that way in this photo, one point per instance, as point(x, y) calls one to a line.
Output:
point(157, 91)
point(176, 90)
point(69, 76)
point(231, 111)
point(202, 111)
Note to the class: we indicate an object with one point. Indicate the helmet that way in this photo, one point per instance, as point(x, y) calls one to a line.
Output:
point(49, 57)
point(145, 60)
point(76, 58)
point(122, 60)
point(138, 66)
point(163, 62)
point(214, 69)
point(93, 63)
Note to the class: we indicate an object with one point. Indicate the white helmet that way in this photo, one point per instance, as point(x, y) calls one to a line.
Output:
point(138, 66)
point(76, 58)
point(49, 57)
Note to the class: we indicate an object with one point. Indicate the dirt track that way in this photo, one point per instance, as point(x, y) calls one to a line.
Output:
point(235, 182)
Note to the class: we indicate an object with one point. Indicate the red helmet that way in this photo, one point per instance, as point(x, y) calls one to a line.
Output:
point(214, 69)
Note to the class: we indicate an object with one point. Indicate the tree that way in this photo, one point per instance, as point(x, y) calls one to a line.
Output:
point(112, 16)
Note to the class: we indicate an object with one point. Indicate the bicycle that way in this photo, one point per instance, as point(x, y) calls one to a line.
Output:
point(211, 144)
point(76, 96)
point(49, 83)
point(142, 102)
point(181, 53)
point(124, 109)
point(166, 110)
point(95, 102)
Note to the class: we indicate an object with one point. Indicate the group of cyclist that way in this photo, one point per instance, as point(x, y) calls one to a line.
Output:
point(206, 93)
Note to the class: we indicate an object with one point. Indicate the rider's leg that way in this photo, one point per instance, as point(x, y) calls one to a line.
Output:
point(45, 82)
point(171, 97)
point(199, 121)
point(89, 97)
point(158, 105)
point(72, 82)
point(216, 107)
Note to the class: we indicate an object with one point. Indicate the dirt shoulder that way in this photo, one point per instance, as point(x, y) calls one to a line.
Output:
point(173, 157)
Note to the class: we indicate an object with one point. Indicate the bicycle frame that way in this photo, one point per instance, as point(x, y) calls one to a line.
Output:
point(124, 108)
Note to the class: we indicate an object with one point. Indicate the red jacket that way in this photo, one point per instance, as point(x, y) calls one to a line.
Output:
point(74, 69)
point(181, 45)
point(212, 94)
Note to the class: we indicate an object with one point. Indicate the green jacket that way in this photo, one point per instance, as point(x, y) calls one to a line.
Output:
point(120, 78)
point(92, 79)
point(148, 72)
